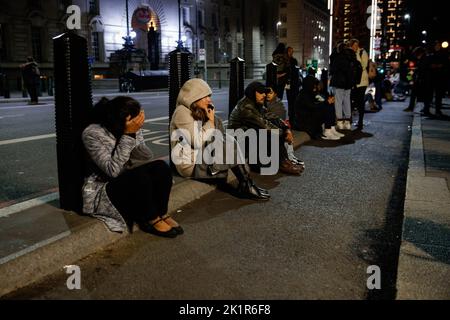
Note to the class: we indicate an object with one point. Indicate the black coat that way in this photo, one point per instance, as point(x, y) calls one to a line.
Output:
point(341, 69)
point(308, 117)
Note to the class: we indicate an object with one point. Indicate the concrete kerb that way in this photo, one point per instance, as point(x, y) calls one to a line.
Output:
point(420, 275)
point(90, 237)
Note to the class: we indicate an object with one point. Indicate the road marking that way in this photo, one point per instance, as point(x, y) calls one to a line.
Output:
point(12, 116)
point(157, 137)
point(34, 247)
point(18, 207)
point(12, 141)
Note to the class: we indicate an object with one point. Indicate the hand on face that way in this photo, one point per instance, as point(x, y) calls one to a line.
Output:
point(203, 104)
point(135, 124)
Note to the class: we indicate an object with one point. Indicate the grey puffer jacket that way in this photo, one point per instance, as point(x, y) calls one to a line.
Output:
point(112, 161)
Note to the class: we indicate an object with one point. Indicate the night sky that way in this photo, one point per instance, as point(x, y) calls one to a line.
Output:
point(430, 15)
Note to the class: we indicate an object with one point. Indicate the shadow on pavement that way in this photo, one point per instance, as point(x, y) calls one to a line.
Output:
point(430, 237)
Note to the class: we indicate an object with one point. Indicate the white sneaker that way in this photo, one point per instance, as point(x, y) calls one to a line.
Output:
point(337, 134)
point(347, 125)
point(328, 135)
point(340, 125)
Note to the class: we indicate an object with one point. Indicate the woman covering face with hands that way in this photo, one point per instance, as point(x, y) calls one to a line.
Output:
point(123, 184)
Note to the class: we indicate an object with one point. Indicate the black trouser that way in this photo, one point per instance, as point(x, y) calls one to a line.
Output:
point(32, 90)
point(142, 194)
point(358, 100)
point(281, 152)
point(440, 92)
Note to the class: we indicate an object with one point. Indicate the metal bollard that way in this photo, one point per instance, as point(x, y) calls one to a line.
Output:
point(73, 102)
point(180, 71)
point(6, 92)
point(236, 91)
point(271, 74)
point(50, 86)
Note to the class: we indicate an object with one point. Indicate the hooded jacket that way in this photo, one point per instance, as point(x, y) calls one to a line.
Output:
point(308, 117)
point(195, 137)
point(341, 68)
point(248, 114)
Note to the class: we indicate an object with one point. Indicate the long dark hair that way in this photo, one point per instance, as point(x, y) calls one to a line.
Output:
point(112, 114)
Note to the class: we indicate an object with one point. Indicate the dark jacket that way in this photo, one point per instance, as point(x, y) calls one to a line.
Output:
point(341, 68)
point(308, 114)
point(30, 72)
point(248, 115)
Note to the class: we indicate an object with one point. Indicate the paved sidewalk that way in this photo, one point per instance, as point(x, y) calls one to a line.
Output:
point(36, 239)
point(424, 263)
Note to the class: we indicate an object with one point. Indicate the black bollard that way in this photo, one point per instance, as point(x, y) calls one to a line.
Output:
point(236, 92)
point(180, 71)
point(6, 92)
point(24, 90)
point(50, 86)
point(271, 75)
point(73, 102)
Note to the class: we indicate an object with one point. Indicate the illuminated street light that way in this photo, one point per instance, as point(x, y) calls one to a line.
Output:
point(444, 45)
point(407, 16)
point(278, 24)
point(133, 34)
point(424, 32)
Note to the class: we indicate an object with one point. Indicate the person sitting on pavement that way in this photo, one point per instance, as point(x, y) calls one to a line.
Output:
point(195, 117)
point(276, 110)
point(123, 184)
point(314, 110)
point(249, 114)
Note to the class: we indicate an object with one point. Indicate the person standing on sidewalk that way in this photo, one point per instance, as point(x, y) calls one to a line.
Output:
point(123, 184)
point(359, 92)
point(293, 85)
point(419, 78)
point(341, 61)
point(438, 64)
point(281, 59)
point(31, 77)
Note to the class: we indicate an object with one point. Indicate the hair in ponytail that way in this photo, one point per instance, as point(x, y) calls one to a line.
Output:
point(112, 114)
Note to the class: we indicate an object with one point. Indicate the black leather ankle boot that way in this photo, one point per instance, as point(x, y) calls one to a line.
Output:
point(247, 187)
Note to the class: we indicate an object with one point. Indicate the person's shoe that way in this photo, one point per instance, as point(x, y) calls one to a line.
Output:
point(408, 109)
point(177, 228)
point(347, 125)
point(248, 190)
point(297, 161)
point(336, 133)
point(150, 228)
point(328, 135)
point(286, 166)
point(340, 125)
point(262, 191)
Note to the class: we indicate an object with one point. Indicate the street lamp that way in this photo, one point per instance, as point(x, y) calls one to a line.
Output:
point(444, 45)
point(278, 30)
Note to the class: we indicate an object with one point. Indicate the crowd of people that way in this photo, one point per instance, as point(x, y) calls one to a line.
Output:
point(124, 185)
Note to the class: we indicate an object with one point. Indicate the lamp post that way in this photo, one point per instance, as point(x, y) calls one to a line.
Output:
point(331, 8)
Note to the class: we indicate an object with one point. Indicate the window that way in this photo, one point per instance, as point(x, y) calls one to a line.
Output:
point(283, 33)
point(95, 45)
point(200, 16)
point(283, 18)
point(93, 6)
point(186, 16)
point(2, 42)
point(283, 5)
point(36, 43)
point(227, 24)
point(202, 44)
point(216, 51)
point(214, 21)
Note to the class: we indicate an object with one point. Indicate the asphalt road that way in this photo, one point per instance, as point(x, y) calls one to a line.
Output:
point(315, 239)
point(28, 165)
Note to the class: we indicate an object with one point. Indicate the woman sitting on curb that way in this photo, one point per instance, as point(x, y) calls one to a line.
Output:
point(124, 184)
point(194, 120)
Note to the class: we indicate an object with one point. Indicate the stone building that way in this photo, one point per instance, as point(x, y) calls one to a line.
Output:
point(224, 29)
point(304, 26)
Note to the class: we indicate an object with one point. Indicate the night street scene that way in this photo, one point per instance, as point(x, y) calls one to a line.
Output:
point(224, 156)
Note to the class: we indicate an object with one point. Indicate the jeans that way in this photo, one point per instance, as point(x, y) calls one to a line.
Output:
point(343, 104)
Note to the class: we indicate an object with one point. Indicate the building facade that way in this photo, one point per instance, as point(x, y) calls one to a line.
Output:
point(304, 26)
point(216, 30)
